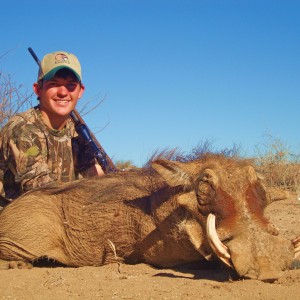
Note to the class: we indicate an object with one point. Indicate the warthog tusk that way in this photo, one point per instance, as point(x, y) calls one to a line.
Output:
point(217, 246)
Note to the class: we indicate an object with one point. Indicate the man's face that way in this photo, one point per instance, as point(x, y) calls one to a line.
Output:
point(58, 96)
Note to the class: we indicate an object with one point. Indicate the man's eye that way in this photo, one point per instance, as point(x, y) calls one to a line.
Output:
point(52, 84)
point(71, 87)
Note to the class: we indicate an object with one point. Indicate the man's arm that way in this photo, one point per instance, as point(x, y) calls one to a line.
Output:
point(24, 157)
point(84, 159)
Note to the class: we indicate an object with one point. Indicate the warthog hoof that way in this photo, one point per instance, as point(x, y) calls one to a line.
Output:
point(19, 265)
point(5, 265)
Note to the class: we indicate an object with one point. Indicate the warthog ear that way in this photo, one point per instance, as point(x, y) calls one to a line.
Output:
point(171, 172)
point(275, 194)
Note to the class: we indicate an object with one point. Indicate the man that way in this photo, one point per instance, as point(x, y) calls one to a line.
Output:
point(40, 145)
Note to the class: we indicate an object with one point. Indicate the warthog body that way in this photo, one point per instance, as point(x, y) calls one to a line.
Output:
point(159, 218)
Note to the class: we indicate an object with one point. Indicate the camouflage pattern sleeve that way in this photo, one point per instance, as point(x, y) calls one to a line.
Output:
point(83, 156)
point(32, 155)
point(25, 158)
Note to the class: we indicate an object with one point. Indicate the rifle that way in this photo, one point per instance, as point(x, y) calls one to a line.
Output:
point(83, 131)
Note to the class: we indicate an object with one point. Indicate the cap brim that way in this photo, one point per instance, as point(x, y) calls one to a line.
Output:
point(52, 73)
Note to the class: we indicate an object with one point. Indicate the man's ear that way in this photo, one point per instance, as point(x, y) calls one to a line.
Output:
point(37, 89)
point(82, 88)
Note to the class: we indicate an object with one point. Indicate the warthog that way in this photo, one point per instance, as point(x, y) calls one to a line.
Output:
point(179, 213)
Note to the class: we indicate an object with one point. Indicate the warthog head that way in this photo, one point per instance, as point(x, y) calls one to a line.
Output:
point(228, 199)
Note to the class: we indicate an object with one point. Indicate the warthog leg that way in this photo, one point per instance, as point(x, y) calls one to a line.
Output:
point(30, 229)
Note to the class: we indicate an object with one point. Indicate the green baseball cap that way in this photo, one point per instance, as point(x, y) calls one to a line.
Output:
point(55, 61)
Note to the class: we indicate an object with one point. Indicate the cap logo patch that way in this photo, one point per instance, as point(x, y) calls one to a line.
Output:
point(61, 58)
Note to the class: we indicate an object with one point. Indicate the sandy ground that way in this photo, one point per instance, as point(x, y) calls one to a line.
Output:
point(144, 282)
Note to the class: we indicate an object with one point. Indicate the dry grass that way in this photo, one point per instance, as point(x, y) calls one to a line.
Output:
point(283, 175)
point(279, 165)
point(13, 98)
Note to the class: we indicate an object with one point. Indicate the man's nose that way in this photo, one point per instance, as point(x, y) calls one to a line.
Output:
point(62, 90)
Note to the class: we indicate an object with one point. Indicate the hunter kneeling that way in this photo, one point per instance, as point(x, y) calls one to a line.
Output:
point(41, 145)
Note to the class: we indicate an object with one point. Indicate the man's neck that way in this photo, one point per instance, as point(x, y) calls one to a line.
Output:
point(57, 123)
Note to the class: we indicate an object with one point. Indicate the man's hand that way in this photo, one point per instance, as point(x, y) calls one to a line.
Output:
point(95, 170)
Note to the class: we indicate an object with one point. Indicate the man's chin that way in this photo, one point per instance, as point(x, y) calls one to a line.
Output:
point(63, 111)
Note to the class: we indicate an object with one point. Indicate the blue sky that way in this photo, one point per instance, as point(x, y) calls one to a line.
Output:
point(173, 73)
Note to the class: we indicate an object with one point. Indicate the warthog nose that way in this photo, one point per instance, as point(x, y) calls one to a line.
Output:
point(269, 276)
point(267, 273)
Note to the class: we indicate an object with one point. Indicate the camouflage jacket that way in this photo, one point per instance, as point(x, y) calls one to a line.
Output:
point(32, 155)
